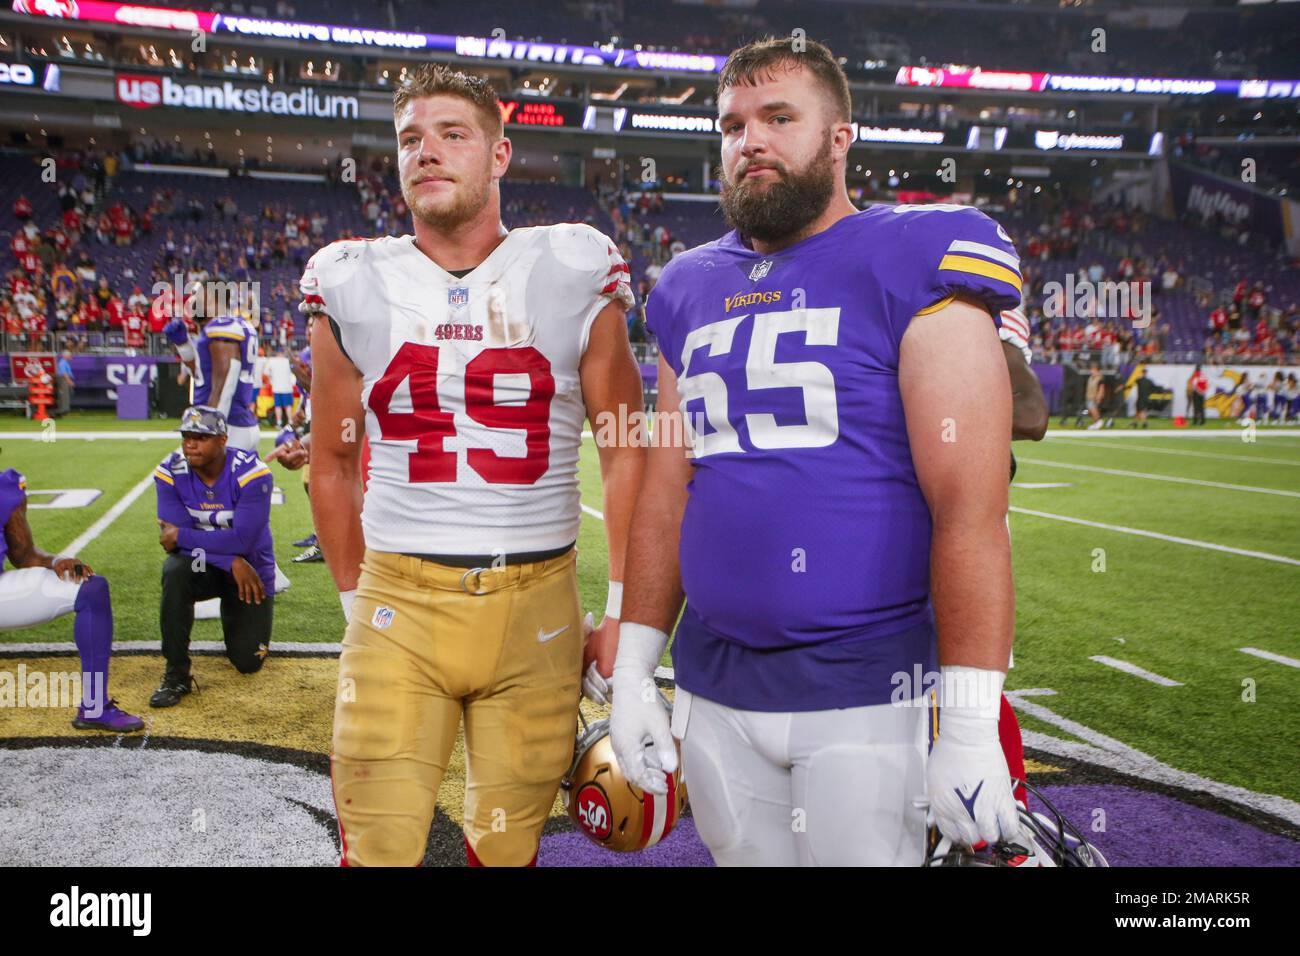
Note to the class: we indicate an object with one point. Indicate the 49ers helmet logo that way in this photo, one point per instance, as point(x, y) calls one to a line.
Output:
point(593, 813)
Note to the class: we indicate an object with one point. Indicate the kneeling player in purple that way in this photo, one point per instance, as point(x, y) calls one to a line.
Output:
point(214, 512)
point(842, 500)
point(43, 587)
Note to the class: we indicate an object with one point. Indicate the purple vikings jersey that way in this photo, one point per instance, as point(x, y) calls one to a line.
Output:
point(229, 520)
point(805, 545)
point(13, 492)
point(228, 329)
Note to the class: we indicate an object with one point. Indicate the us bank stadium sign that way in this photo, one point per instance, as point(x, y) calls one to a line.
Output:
point(144, 91)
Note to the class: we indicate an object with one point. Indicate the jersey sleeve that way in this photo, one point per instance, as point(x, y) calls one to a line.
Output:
point(659, 322)
point(944, 251)
point(326, 287)
point(225, 329)
point(598, 270)
point(171, 507)
point(13, 484)
point(13, 492)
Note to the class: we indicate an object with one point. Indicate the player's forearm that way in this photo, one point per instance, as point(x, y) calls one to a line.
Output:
point(336, 515)
point(971, 589)
point(238, 541)
point(621, 471)
point(652, 586)
point(1029, 416)
point(224, 388)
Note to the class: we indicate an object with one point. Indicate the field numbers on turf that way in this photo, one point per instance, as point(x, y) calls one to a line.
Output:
point(762, 371)
point(64, 498)
point(528, 409)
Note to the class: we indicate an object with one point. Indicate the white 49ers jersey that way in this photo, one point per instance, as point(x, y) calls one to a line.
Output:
point(474, 408)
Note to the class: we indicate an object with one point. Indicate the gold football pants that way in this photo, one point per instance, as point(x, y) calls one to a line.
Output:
point(426, 644)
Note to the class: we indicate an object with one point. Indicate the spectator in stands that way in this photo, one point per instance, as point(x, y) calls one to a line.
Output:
point(1256, 300)
point(22, 208)
point(284, 331)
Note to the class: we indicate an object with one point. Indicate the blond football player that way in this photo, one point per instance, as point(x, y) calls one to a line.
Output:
point(469, 355)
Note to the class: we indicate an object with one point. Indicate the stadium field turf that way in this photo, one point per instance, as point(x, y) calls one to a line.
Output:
point(1157, 658)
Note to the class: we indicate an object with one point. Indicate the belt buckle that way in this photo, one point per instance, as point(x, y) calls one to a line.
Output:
point(478, 584)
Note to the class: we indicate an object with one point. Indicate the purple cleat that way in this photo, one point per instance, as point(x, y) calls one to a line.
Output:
point(306, 542)
point(113, 719)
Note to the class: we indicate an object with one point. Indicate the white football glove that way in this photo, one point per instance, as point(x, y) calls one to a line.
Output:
point(967, 777)
point(638, 722)
point(1015, 330)
point(594, 687)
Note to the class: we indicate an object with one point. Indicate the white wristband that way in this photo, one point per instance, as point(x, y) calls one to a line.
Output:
point(186, 352)
point(640, 648)
point(969, 694)
point(614, 602)
point(346, 598)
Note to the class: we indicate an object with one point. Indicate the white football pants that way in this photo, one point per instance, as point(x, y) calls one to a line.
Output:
point(814, 788)
point(30, 596)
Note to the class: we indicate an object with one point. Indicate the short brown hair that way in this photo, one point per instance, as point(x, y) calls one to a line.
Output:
point(438, 79)
point(747, 63)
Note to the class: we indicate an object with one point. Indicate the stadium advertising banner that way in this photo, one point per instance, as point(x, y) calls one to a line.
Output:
point(144, 91)
point(1078, 140)
point(490, 48)
point(705, 122)
point(1032, 82)
point(1228, 385)
point(539, 111)
point(501, 48)
point(1203, 193)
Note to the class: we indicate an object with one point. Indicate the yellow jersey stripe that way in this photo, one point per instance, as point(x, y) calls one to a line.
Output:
point(937, 306)
point(258, 473)
point(980, 268)
point(159, 473)
point(221, 334)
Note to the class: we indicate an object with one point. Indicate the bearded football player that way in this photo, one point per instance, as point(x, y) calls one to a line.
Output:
point(472, 354)
point(836, 525)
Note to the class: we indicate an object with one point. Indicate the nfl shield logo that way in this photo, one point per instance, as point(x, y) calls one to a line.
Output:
point(760, 271)
point(458, 297)
point(383, 617)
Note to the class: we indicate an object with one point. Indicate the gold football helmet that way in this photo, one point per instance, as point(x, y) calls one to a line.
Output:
point(611, 811)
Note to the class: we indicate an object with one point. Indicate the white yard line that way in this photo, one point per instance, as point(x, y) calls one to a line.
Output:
point(165, 435)
point(282, 648)
point(111, 515)
point(1190, 454)
point(593, 512)
point(1270, 656)
point(278, 649)
point(1121, 473)
point(1171, 433)
point(1136, 671)
point(1109, 752)
point(1173, 539)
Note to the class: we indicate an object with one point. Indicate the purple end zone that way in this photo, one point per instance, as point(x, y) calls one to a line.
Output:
point(1142, 829)
point(681, 848)
point(1150, 829)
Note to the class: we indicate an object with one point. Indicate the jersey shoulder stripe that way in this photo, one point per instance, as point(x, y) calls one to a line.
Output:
point(12, 478)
